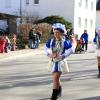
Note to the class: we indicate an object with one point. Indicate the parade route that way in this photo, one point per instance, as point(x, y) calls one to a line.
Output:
point(27, 77)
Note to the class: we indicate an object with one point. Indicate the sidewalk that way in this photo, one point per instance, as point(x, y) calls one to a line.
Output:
point(27, 52)
point(21, 53)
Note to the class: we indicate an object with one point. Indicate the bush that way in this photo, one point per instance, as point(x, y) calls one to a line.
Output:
point(44, 29)
point(22, 38)
point(20, 43)
point(55, 19)
point(24, 31)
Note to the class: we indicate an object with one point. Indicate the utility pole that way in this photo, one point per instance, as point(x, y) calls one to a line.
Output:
point(20, 11)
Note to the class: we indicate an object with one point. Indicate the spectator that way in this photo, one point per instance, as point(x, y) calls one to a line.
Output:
point(67, 36)
point(31, 38)
point(2, 43)
point(84, 37)
point(13, 42)
point(8, 45)
point(39, 33)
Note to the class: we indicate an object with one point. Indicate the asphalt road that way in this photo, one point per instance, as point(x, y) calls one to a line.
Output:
point(27, 78)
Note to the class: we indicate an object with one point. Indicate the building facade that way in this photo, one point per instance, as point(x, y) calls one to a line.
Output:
point(81, 13)
point(9, 12)
point(84, 17)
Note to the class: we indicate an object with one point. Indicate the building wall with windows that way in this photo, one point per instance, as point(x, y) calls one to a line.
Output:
point(84, 17)
point(43, 8)
point(80, 12)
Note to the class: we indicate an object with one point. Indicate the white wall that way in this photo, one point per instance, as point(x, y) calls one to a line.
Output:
point(64, 8)
point(10, 6)
point(83, 13)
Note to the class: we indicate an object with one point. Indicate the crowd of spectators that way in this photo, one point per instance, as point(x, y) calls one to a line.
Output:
point(7, 43)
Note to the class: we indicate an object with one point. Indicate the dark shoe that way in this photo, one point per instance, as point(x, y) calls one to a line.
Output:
point(54, 94)
point(98, 75)
point(60, 91)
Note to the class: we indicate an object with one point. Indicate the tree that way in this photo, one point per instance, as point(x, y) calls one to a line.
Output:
point(55, 19)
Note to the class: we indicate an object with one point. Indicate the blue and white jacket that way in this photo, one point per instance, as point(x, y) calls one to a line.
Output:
point(66, 48)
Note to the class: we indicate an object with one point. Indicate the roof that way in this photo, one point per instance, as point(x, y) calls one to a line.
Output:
point(7, 16)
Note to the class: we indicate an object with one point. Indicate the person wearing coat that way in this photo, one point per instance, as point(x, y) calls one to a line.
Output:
point(84, 37)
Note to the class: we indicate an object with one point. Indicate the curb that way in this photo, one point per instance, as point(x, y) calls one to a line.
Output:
point(21, 53)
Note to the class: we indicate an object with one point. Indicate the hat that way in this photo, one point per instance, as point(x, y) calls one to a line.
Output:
point(98, 28)
point(59, 26)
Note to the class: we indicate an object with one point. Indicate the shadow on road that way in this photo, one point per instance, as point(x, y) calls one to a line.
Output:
point(44, 99)
point(91, 98)
point(25, 80)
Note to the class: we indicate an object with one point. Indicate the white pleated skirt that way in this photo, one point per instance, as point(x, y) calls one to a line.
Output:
point(98, 52)
point(61, 66)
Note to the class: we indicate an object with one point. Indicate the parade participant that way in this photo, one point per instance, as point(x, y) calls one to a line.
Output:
point(57, 49)
point(97, 42)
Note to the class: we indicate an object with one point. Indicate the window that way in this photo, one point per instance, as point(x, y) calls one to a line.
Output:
point(36, 1)
point(92, 5)
point(86, 22)
point(27, 2)
point(91, 23)
point(86, 4)
point(80, 3)
point(79, 21)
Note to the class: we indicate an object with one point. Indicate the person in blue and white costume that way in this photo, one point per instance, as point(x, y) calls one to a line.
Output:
point(57, 49)
point(97, 43)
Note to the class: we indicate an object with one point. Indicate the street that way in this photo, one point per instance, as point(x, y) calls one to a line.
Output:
point(29, 29)
point(27, 78)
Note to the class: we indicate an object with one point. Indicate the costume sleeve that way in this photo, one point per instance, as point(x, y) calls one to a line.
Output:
point(69, 49)
point(47, 48)
point(87, 38)
point(95, 40)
